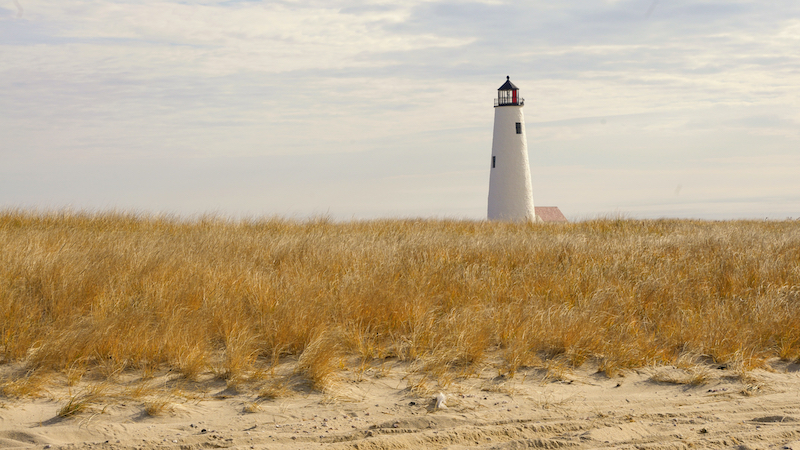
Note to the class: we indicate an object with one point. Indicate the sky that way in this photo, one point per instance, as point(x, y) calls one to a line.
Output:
point(356, 109)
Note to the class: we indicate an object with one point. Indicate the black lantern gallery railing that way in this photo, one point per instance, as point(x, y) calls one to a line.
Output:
point(504, 100)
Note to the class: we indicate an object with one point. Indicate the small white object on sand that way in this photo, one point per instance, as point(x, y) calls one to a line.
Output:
point(440, 398)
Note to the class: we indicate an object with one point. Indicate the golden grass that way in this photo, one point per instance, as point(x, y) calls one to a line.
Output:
point(114, 292)
point(274, 388)
point(157, 407)
point(319, 361)
point(83, 400)
point(696, 376)
point(24, 384)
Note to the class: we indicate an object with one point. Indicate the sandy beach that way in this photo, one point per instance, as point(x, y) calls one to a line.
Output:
point(393, 408)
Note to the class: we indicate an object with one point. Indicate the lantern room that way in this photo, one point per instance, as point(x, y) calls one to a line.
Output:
point(508, 94)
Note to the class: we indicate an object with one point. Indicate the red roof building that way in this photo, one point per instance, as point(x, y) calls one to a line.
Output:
point(549, 214)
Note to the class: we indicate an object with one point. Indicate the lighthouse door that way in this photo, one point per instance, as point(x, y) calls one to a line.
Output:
point(513, 96)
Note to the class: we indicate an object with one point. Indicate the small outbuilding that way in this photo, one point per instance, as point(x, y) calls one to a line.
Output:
point(549, 214)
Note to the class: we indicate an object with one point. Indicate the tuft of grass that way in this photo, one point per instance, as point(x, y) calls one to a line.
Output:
point(420, 387)
point(75, 373)
point(192, 362)
point(275, 388)
point(695, 376)
point(83, 401)
point(251, 407)
point(30, 384)
point(140, 389)
point(320, 361)
point(74, 406)
point(158, 407)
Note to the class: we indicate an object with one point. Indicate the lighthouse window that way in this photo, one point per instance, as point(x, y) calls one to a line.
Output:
point(493, 161)
point(519, 128)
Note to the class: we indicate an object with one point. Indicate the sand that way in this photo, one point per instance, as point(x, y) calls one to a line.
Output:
point(377, 410)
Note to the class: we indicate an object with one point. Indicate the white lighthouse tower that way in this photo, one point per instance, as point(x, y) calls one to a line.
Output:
point(510, 193)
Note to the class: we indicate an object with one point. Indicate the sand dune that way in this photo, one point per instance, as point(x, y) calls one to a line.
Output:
point(581, 410)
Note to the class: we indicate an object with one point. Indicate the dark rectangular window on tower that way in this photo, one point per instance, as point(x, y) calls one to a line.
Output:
point(519, 128)
point(493, 160)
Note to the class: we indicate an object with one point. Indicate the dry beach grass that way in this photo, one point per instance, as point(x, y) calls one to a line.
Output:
point(110, 294)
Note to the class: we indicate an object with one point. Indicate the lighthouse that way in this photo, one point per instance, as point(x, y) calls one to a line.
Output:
point(510, 193)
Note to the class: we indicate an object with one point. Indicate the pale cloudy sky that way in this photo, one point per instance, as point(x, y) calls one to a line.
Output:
point(365, 109)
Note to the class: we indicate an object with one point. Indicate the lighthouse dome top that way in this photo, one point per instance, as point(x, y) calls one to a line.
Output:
point(508, 85)
point(508, 95)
